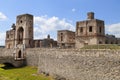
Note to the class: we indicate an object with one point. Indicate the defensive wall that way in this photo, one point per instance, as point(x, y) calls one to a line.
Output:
point(74, 64)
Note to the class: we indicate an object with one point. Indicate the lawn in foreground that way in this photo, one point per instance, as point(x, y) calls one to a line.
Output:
point(24, 73)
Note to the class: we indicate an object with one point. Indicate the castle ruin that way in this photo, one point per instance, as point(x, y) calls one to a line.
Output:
point(21, 34)
point(63, 64)
point(88, 32)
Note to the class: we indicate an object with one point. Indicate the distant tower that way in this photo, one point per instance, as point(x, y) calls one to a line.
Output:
point(24, 30)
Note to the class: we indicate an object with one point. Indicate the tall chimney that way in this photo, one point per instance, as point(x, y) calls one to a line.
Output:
point(90, 15)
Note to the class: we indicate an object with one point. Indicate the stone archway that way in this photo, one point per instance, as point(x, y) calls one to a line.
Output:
point(20, 34)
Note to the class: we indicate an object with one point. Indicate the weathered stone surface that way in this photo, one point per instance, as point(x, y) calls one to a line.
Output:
point(72, 64)
point(78, 64)
point(6, 56)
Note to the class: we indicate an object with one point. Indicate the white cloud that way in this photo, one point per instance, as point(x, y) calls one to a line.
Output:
point(2, 38)
point(73, 10)
point(113, 29)
point(2, 16)
point(45, 25)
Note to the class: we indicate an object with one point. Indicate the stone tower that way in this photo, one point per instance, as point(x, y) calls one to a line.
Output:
point(10, 37)
point(24, 30)
point(90, 31)
point(90, 15)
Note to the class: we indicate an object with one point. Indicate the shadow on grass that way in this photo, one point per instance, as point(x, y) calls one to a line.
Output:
point(7, 66)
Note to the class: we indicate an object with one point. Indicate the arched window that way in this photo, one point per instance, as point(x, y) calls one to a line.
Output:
point(20, 35)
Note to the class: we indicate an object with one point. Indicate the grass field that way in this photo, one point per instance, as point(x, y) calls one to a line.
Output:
point(24, 73)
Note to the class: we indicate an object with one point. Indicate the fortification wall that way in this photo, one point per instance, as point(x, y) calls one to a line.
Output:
point(6, 52)
point(73, 64)
point(77, 64)
point(32, 56)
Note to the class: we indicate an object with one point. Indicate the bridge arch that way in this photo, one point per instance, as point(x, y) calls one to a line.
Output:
point(12, 61)
point(8, 65)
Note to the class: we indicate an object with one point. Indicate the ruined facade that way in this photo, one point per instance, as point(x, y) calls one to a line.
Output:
point(10, 37)
point(21, 34)
point(66, 38)
point(90, 31)
point(45, 43)
point(111, 39)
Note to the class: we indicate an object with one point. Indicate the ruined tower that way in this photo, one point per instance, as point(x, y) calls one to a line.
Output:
point(24, 30)
point(10, 37)
point(90, 31)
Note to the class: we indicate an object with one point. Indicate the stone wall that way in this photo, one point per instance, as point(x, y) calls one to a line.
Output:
point(76, 64)
point(32, 56)
point(73, 64)
point(6, 52)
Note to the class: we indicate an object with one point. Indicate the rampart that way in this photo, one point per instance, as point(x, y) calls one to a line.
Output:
point(6, 52)
point(72, 64)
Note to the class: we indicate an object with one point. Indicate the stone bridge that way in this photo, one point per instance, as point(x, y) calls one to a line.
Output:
point(8, 56)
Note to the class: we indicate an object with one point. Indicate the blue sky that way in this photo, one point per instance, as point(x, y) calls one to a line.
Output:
point(52, 15)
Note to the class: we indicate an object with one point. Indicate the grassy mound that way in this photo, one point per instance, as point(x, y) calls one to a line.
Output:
point(24, 73)
point(108, 46)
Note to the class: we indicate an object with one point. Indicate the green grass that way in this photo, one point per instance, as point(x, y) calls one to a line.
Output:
point(24, 73)
point(108, 46)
